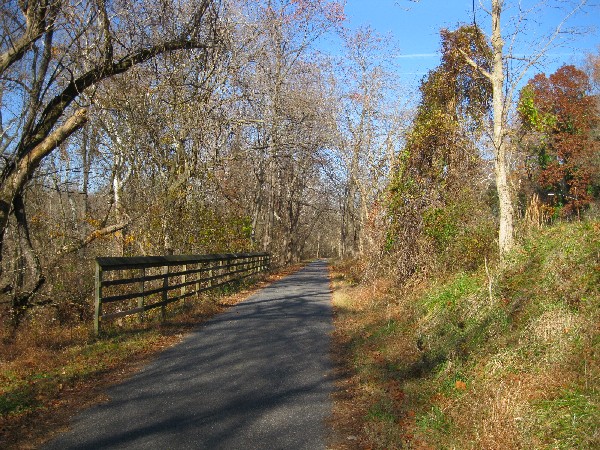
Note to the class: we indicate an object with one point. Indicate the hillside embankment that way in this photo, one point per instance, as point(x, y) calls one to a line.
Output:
point(497, 358)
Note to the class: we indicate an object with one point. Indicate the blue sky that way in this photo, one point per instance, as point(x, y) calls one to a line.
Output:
point(415, 26)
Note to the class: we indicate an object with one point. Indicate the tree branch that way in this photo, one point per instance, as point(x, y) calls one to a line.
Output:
point(96, 234)
point(476, 66)
point(39, 18)
point(61, 102)
point(543, 50)
point(105, 25)
point(27, 165)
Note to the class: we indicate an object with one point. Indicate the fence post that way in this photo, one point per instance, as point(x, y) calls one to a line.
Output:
point(226, 269)
point(97, 299)
point(219, 270)
point(183, 281)
point(142, 298)
point(197, 277)
point(165, 292)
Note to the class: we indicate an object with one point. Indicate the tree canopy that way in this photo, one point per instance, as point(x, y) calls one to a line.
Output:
point(560, 114)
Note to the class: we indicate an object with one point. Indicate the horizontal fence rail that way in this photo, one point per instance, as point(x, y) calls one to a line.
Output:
point(134, 285)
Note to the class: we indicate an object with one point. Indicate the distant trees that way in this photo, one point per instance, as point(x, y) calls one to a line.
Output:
point(559, 116)
point(283, 120)
point(370, 125)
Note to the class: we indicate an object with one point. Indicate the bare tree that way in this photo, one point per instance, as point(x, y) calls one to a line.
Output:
point(282, 120)
point(370, 126)
point(52, 53)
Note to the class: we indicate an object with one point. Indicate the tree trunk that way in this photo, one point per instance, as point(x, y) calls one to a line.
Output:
point(28, 278)
point(505, 236)
point(87, 146)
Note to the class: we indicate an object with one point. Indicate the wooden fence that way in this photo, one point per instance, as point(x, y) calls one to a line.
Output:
point(134, 285)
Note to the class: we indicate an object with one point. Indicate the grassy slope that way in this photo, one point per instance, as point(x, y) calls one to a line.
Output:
point(509, 359)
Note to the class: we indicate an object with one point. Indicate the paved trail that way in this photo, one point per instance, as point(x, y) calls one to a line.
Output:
point(255, 377)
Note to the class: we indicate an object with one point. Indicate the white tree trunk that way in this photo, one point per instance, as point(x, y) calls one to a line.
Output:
point(505, 236)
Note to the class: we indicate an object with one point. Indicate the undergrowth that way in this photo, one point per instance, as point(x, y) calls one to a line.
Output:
point(495, 359)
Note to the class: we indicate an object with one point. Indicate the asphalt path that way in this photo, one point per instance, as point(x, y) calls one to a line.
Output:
point(255, 377)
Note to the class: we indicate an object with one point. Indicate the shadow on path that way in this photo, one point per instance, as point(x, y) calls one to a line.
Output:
point(255, 377)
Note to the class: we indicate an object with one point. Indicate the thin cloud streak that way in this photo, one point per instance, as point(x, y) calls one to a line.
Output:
point(418, 55)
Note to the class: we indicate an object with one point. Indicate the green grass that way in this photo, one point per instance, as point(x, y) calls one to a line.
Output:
point(434, 420)
point(27, 391)
point(568, 421)
point(381, 412)
point(18, 400)
point(451, 294)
